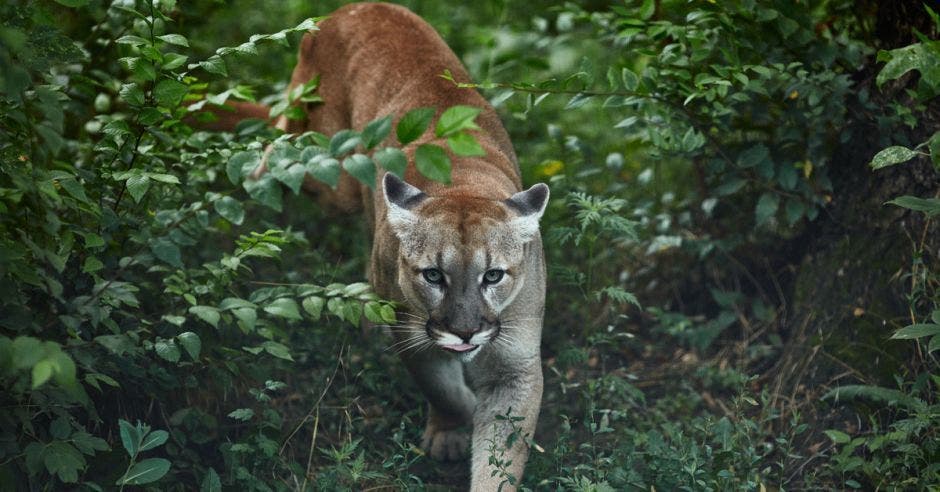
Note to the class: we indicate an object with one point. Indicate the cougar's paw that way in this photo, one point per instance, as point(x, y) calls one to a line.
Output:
point(446, 445)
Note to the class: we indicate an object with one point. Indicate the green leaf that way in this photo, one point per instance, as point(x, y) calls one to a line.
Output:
point(173, 61)
point(729, 187)
point(456, 119)
point(392, 160)
point(753, 156)
point(243, 414)
point(147, 471)
point(919, 56)
point(464, 144)
point(132, 40)
point(432, 161)
point(343, 142)
point(356, 289)
point(230, 209)
point(61, 428)
point(247, 317)
point(208, 314)
point(191, 343)
point(130, 437)
point(164, 178)
point(284, 307)
point(874, 393)
point(211, 483)
point(794, 210)
point(137, 186)
point(132, 94)
point(629, 78)
point(168, 93)
point(388, 314)
point(934, 344)
point(324, 169)
point(153, 440)
point(176, 39)
point(88, 444)
point(64, 368)
point(167, 350)
point(352, 312)
point(933, 145)
point(891, 156)
point(167, 251)
point(918, 330)
point(215, 64)
point(292, 177)
point(362, 168)
point(241, 165)
point(73, 188)
point(313, 306)
point(766, 208)
point(930, 206)
point(276, 349)
point(235, 302)
point(72, 3)
point(63, 460)
point(373, 312)
point(282, 156)
point(413, 124)
point(118, 344)
point(376, 131)
point(838, 437)
point(266, 191)
point(27, 351)
point(42, 371)
point(92, 265)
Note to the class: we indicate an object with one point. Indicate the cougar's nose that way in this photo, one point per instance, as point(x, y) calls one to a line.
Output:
point(466, 333)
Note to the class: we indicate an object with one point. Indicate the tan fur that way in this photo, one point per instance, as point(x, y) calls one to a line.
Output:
point(378, 59)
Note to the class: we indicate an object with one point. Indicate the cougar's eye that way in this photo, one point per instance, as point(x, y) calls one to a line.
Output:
point(493, 276)
point(433, 276)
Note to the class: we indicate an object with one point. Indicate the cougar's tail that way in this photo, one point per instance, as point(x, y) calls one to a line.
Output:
point(225, 118)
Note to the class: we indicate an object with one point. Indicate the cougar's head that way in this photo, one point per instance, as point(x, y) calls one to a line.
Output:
point(461, 261)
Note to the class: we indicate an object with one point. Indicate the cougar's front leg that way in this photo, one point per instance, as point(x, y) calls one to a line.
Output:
point(506, 406)
point(451, 404)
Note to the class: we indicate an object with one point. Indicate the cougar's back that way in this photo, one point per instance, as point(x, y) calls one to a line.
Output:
point(376, 59)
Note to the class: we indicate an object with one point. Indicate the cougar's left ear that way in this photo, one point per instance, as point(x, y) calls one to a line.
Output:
point(400, 199)
point(529, 206)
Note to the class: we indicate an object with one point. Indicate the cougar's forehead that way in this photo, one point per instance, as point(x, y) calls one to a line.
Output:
point(462, 230)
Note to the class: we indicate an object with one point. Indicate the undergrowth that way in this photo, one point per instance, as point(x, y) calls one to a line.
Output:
point(167, 324)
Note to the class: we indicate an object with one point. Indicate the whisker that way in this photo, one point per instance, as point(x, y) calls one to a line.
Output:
point(417, 345)
point(405, 341)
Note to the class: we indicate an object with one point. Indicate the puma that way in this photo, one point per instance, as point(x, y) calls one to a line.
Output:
point(464, 262)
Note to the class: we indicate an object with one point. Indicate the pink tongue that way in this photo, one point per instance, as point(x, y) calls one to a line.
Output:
point(462, 347)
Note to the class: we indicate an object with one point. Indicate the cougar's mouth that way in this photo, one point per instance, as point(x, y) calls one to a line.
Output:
point(453, 343)
point(460, 347)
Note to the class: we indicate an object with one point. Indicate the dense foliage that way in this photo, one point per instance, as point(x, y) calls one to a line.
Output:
point(165, 321)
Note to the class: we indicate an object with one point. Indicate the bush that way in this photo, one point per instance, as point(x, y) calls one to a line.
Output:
point(153, 299)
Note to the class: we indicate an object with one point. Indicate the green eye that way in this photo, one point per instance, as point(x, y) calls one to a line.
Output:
point(493, 276)
point(433, 275)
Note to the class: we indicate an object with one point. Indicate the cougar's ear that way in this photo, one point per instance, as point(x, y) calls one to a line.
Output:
point(400, 200)
point(529, 206)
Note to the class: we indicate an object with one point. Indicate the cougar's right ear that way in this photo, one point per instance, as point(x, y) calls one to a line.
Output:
point(400, 200)
point(529, 206)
